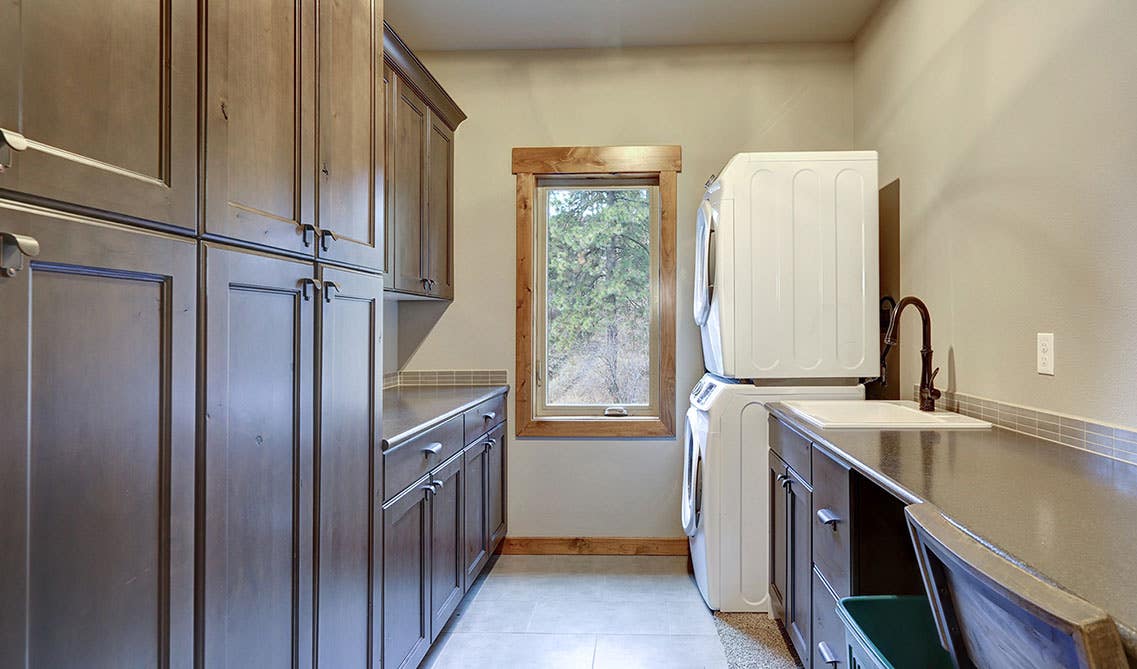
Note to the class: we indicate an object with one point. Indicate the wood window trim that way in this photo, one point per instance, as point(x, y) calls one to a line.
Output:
point(662, 162)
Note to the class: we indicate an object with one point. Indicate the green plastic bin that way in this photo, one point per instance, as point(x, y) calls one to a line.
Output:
point(890, 632)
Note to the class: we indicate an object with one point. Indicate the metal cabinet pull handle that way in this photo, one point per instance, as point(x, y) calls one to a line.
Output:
point(316, 285)
point(786, 483)
point(307, 229)
point(780, 479)
point(490, 443)
point(432, 449)
point(489, 415)
point(13, 248)
point(10, 141)
point(440, 484)
point(827, 517)
point(827, 654)
point(429, 487)
point(324, 236)
point(329, 287)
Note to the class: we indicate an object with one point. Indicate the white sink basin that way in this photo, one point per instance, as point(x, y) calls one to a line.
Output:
point(881, 415)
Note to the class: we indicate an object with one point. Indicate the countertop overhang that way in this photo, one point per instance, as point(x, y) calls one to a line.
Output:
point(409, 410)
point(1067, 515)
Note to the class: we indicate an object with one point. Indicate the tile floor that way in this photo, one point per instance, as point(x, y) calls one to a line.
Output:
point(569, 611)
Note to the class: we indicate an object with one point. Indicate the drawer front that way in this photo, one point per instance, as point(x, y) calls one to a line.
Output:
point(832, 540)
point(793, 447)
point(405, 463)
point(483, 417)
point(828, 631)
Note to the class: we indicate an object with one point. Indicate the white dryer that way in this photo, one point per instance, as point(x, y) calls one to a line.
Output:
point(725, 508)
point(786, 267)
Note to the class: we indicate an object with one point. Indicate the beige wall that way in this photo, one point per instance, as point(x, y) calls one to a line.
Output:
point(714, 102)
point(1012, 125)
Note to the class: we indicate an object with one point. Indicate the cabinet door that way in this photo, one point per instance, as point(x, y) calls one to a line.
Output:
point(406, 577)
point(495, 486)
point(260, 170)
point(477, 529)
point(448, 566)
point(351, 382)
point(799, 618)
point(257, 512)
point(97, 450)
point(439, 233)
point(410, 124)
point(779, 538)
point(351, 195)
point(388, 154)
point(105, 94)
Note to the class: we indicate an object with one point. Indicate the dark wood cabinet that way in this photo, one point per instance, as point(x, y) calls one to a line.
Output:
point(348, 469)
point(98, 107)
point(448, 566)
point(258, 456)
point(97, 452)
point(351, 128)
point(779, 537)
point(406, 576)
point(791, 560)
point(421, 122)
point(477, 529)
point(495, 486)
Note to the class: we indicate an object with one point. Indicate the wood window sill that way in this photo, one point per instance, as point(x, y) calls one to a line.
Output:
point(584, 428)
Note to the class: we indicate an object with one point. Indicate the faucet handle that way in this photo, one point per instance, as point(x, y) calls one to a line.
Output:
point(935, 392)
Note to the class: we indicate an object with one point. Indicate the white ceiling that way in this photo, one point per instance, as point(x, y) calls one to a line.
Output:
point(441, 25)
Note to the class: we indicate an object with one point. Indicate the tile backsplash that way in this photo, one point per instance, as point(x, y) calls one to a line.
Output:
point(446, 377)
point(1111, 440)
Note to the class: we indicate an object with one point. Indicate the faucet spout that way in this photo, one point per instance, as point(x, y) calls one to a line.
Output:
point(928, 392)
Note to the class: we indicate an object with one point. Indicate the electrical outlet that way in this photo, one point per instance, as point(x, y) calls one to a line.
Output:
point(1046, 353)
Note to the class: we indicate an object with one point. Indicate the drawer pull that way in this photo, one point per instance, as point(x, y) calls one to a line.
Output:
point(490, 443)
point(489, 415)
point(432, 449)
point(440, 484)
point(827, 654)
point(827, 517)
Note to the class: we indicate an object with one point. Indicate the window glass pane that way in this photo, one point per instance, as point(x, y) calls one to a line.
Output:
point(598, 300)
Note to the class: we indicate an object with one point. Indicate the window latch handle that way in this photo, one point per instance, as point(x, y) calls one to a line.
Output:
point(618, 412)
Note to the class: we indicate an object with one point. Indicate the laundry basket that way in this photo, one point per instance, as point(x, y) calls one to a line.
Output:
point(891, 632)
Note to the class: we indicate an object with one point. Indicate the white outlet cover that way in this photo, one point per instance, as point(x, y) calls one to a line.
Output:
point(1045, 355)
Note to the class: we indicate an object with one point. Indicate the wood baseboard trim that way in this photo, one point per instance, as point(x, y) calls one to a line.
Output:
point(594, 546)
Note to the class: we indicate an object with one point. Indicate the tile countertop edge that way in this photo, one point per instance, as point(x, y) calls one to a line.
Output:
point(1125, 629)
point(474, 395)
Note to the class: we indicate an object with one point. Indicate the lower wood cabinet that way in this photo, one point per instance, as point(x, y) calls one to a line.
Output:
point(791, 543)
point(829, 648)
point(495, 486)
point(97, 448)
point(447, 526)
point(477, 551)
point(406, 576)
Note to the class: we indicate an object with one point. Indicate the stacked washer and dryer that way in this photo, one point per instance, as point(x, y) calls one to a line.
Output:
point(786, 296)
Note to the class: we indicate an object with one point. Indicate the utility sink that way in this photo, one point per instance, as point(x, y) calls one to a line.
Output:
point(881, 415)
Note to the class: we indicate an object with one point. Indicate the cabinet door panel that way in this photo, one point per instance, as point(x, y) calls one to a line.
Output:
point(260, 123)
point(388, 156)
point(440, 208)
point(476, 524)
point(258, 460)
point(495, 486)
point(799, 614)
point(406, 578)
point(779, 538)
point(105, 93)
point(447, 569)
point(97, 451)
point(351, 196)
point(408, 186)
point(350, 426)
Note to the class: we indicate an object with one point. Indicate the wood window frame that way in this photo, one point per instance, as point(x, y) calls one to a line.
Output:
point(530, 163)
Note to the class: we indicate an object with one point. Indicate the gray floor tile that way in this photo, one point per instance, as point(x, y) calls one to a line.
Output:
point(598, 617)
point(659, 652)
point(495, 651)
point(501, 615)
point(690, 618)
point(651, 588)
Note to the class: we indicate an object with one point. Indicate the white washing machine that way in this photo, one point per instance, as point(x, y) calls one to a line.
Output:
point(725, 508)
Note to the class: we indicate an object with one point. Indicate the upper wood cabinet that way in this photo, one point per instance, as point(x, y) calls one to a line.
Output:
point(98, 106)
point(293, 153)
point(421, 120)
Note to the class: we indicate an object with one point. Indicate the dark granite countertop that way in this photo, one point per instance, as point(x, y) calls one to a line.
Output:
point(408, 410)
point(1068, 515)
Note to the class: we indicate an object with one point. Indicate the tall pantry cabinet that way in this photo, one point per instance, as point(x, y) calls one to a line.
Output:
point(191, 246)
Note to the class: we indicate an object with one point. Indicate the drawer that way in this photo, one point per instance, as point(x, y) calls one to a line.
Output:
point(484, 416)
point(828, 630)
point(792, 447)
point(832, 540)
point(407, 462)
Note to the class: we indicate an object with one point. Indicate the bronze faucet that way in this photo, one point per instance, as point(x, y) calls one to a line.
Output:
point(928, 392)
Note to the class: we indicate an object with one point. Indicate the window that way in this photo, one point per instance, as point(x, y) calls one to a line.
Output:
point(596, 291)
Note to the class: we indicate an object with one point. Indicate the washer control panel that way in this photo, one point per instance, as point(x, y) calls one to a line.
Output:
point(705, 390)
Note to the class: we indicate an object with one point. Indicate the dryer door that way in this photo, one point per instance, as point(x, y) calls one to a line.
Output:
point(704, 261)
point(694, 436)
